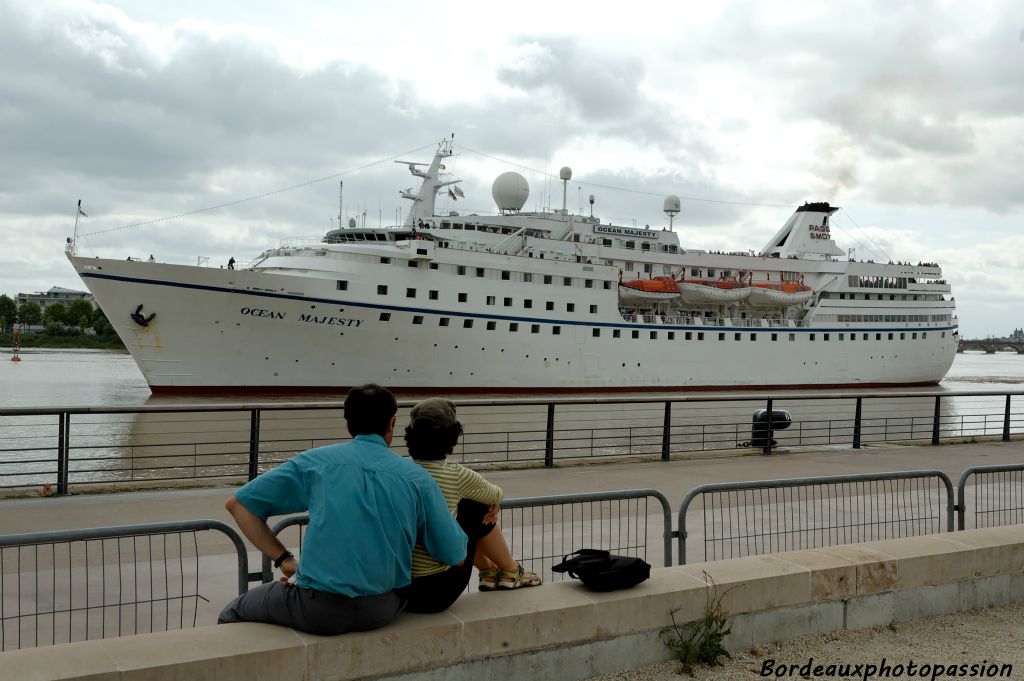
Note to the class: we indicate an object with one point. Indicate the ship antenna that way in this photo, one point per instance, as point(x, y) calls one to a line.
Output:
point(341, 188)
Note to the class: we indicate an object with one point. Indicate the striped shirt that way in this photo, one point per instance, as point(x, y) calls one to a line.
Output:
point(457, 483)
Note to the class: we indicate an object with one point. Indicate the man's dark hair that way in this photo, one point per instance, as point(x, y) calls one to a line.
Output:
point(368, 409)
point(428, 441)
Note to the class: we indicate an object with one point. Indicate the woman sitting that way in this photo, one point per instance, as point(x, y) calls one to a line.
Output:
point(431, 436)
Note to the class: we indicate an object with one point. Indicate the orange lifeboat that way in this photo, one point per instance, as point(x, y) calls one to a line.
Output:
point(786, 293)
point(658, 289)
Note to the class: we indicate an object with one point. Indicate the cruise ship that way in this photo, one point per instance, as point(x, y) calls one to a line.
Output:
point(530, 301)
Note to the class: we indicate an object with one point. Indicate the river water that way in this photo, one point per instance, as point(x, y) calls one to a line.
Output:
point(135, 447)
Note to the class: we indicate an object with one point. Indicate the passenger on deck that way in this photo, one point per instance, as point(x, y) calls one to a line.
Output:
point(367, 508)
point(431, 435)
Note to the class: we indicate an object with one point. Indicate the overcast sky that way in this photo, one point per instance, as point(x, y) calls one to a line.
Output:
point(910, 115)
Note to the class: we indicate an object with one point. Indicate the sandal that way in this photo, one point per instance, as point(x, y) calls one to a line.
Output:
point(517, 579)
point(488, 580)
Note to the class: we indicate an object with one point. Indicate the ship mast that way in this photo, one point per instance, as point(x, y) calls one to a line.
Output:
point(423, 201)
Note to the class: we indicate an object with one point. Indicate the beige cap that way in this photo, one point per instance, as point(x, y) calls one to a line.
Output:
point(438, 410)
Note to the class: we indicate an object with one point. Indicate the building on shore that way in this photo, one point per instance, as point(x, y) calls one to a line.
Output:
point(1017, 335)
point(56, 294)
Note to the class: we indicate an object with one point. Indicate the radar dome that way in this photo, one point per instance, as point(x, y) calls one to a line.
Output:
point(565, 173)
point(672, 204)
point(510, 191)
point(352, 223)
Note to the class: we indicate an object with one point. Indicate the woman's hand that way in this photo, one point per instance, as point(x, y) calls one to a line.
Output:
point(491, 517)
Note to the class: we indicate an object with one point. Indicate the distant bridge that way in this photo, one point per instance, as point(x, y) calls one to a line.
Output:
point(992, 345)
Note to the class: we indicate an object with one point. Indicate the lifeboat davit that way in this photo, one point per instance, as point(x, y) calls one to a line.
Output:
point(721, 292)
point(659, 289)
point(786, 293)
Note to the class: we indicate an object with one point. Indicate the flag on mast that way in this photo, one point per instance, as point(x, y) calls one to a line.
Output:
point(80, 211)
point(458, 192)
point(452, 195)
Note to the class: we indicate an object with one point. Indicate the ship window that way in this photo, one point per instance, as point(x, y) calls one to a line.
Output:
point(892, 296)
point(711, 271)
point(654, 335)
point(463, 297)
point(490, 300)
point(913, 336)
point(826, 336)
point(382, 290)
point(812, 337)
point(413, 263)
point(688, 336)
point(479, 271)
point(417, 319)
point(506, 275)
point(528, 277)
point(460, 269)
point(736, 336)
point(648, 267)
point(878, 336)
point(792, 336)
point(842, 296)
point(410, 293)
point(566, 281)
point(865, 337)
point(924, 335)
point(443, 321)
point(630, 244)
point(629, 266)
point(513, 327)
point(671, 335)
point(943, 334)
point(596, 333)
point(527, 303)
point(570, 307)
point(432, 295)
point(645, 246)
point(433, 265)
point(753, 336)
point(491, 326)
point(342, 285)
point(607, 285)
point(385, 316)
point(775, 337)
point(616, 333)
point(593, 309)
point(508, 302)
point(700, 335)
point(726, 274)
point(588, 283)
point(694, 272)
point(467, 323)
point(890, 336)
point(547, 278)
point(721, 336)
point(535, 328)
point(549, 305)
point(606, 242)
point(842, 336)
point(556, 330)
point(385, 261)
point(636, 334)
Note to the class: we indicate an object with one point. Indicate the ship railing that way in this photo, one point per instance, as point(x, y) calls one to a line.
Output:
point(687, 320)
point(541, 530)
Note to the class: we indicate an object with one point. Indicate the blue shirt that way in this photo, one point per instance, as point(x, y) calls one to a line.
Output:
point(367, 508)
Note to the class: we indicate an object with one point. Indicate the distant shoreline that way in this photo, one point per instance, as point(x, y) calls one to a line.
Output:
point(79, 341)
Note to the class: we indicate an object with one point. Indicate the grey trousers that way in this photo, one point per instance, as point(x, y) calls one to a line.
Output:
point(312, 611)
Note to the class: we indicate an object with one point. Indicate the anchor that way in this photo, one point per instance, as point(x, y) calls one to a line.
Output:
point(140, 319)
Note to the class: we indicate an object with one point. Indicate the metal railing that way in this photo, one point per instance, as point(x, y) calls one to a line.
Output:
point(77, 585)
point(541, 530)
point(997, 496)
point(150, 445)
point(767, 516)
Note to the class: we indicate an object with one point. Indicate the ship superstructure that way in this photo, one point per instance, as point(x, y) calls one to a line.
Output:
point(531, 301)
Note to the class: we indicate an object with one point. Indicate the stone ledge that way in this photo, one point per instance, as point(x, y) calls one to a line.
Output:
point(563, 626)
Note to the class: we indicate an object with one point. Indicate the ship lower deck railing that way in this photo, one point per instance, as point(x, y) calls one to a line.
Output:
point(59, 450)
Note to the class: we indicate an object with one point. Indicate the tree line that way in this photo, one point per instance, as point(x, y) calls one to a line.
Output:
point(78, 317)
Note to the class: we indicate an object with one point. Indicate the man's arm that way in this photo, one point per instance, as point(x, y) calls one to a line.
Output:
point(258, 532)
point(441, 535)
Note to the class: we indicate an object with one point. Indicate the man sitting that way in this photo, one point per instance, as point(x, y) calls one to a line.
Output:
point(367, 508)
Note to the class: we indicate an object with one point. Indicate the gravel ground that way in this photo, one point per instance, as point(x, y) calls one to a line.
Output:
point(992, 635)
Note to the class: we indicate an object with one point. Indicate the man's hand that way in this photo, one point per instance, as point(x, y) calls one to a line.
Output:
point(492, 514)
point(288, 568)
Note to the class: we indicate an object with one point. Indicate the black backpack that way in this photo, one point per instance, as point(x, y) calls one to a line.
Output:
point(601, 571)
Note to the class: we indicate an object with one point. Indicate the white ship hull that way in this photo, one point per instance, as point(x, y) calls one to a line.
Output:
point(218, 329)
